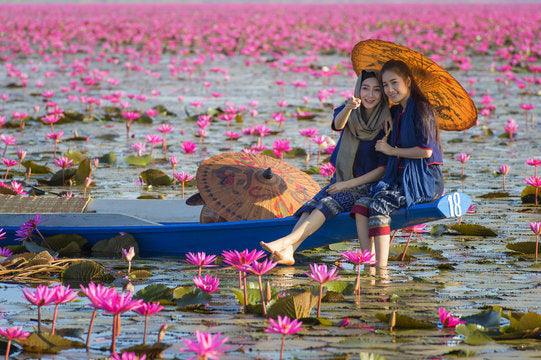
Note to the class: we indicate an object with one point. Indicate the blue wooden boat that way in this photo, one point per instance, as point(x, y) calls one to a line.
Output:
point(170, 228)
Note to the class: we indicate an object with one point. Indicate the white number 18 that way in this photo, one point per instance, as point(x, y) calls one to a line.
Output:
point(454, 204)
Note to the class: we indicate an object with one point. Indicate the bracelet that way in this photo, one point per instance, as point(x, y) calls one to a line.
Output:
point(397, 153)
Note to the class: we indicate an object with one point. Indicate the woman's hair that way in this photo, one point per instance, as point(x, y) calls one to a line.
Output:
point(424, 109)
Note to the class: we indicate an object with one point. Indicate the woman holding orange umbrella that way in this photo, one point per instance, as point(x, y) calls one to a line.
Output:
point(362, 120)
point(413, 172)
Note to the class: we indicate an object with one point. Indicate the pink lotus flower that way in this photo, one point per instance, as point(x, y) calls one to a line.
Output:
point(8, 140)
point(165, 128)
point(231, 135)
point(279, 118)
point(207, 283)
point(536, 229)
point(327, 170)
point(448, 320)
point(41, 296)
point(280, 146)
point(527, 107)
point(534, 181)
point(96, 294)
point(62, 295)
point(511, 128)
point(129, 118)
point(283, 326)
point(535, 163)
point(13, 333)
point(503, 170)
point(116, 305)
point(188, 147)
point(201, 260)
point(463, 158)
point(322, 275)
point(17, 188)
point(260, 269)
point(2, 234)
point(129, 254)
point(309, 132)
point(241, 261)
point(173, 161)
point(358, 258)
point(5, 252)
point(139, 148)
point(206, 346)
point(148, 309)
point(128, 356)
point(63, 162)
point(182, 177)
point(8, 163)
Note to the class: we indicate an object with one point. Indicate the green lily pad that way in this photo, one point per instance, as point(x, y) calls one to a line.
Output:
point(46, 343)
point(155, 177)
point(312, 170)
point(341, 246)
point(151, 197)
point(74, 155)
point(333, 297)
point(60, 178)
point(35, 168)
point(340, 286)
point(194, 298)
point(455, 141)
point(296, 152)
point(83, 171)
point(109, 158)
point(472, 230)
point(473, 334)
point(523, 247)
point(253, 296)
point(528, 321)
point(495, 195)
point(527, 196)
point(139, 275)
point(163, 110)
point(397, 250)
point(150, 351)
point(404, 322)
point(113, 247)
point(140, 161)
point(70, 117)
point(85, 271)
point(60, 241)
point(296, 305)
point(459, 353)
point(156, 292)
point(314, 321)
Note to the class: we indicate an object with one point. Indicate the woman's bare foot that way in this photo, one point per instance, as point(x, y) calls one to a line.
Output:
point(285, 256)
point(271, 247)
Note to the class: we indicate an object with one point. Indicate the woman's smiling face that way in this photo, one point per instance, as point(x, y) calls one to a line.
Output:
point(370, 93)
point(396, 88)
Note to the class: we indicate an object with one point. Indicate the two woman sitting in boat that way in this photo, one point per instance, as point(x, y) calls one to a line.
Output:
point(376, 173)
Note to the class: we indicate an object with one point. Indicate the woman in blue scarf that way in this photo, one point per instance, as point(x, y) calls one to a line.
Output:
point(413, 172)
point(358, 166)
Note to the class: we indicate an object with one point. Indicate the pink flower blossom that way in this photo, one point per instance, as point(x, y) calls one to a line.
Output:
point(207, 283)
point(322, 274)
point(327, 170)
point(188, 147)
point(63, 162)
point(206, 346)
point(447, 319)
point(284, 325)
point(309, 132)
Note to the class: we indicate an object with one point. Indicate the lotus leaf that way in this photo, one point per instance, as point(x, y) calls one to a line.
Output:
point(473, 334)
point(76, 156)
point(523, 247)
point(85, 271)
point(156, 292)
point(109, 158)
point(473, 230)
point(296, 305)
point(150, 351)
point(527, 196)
point(83, 171)
point(140, 161)
point(155, 177)
point(46, 343)
point(65, 244)
point(35, 168)
point(404, 322)
point(113, 247)
point(139, 275)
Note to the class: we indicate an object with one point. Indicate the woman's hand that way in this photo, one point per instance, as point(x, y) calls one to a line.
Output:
point(338, 187)
point(353, 103)
point(384, 147)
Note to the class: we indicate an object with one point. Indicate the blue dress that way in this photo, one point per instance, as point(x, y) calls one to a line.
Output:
point(390, 196)
point(366, 160)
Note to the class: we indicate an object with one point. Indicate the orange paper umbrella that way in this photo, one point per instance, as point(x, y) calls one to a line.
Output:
point(241, 186)
point(455, 109)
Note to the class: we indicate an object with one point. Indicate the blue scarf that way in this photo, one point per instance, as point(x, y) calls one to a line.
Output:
point(417, 181)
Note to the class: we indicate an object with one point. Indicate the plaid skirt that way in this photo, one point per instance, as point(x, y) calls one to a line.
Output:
point(333, 204)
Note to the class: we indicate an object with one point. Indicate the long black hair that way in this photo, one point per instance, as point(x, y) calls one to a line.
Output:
point(426, 112)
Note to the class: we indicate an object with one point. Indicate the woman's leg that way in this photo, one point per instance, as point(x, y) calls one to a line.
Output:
point(303, 217)
point(362, 232)
point(284, 248)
